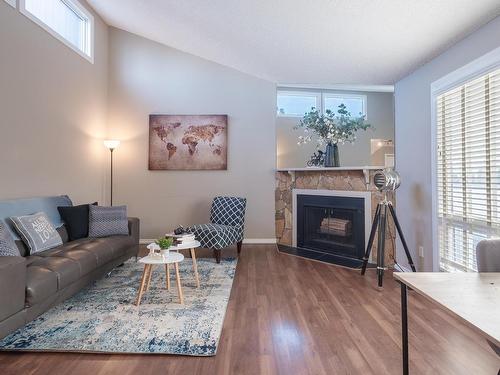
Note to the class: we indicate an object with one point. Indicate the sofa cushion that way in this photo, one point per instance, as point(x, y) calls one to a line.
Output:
point(85, 260)
point(26, 206)
point(76, 219)
point(41, 283)
point(37, 232)
point(120, 244)
point(7, 244)
point(67, 270)
point(99, 248)
point(107, 221)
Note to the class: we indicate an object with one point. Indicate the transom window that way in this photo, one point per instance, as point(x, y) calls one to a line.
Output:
point(297, 103)
point(468, 169)
point(356, 104)
point(67, 20)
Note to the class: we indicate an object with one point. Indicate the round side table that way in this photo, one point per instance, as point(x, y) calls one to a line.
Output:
point(191, 246)
point(149, 262)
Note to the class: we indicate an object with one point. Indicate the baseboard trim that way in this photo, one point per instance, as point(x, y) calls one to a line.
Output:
point(147, 241)
point(260, 240)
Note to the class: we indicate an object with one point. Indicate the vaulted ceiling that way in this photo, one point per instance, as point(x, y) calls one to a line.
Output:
point(306, 41)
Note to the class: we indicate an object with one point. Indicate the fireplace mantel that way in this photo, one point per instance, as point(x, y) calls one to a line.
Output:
point(366, 170)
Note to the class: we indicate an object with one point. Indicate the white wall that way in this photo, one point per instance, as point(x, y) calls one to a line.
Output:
point(147, 77)
point(380, 113)
point(53, 109)
point(413, 138)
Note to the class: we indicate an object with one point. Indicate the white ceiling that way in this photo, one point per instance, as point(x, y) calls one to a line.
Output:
point(300, 41)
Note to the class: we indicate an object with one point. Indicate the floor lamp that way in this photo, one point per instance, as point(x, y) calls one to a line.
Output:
point(111, 144)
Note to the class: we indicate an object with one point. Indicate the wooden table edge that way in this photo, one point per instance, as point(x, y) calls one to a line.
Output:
point(435, 302)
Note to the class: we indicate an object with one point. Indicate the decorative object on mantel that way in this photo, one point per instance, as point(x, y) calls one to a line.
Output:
point(331, 129)
point(183, 142)
point(317, 159)
point(386, 181)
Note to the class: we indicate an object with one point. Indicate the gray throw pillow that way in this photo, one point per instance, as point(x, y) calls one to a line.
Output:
point(107, 221)
point(37, 232)
point(7, 245)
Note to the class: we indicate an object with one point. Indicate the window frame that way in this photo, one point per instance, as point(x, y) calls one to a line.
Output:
point(12, 3)
point(316, 94)
point(82, 12)
point(333, 95)
point(475, 69)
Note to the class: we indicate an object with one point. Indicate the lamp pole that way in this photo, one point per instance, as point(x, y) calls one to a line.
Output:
point(111, 187)
point(111, 144)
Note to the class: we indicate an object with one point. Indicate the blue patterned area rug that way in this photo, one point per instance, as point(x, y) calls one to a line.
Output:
point(104, 318)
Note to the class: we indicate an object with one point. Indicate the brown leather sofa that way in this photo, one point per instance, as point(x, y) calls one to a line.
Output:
point(32, 284)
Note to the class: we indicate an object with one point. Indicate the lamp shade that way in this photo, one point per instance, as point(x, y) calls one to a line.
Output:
point(111, 143)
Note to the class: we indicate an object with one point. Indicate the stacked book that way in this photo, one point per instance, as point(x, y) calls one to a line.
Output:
point(183, 239)
point(337, 227)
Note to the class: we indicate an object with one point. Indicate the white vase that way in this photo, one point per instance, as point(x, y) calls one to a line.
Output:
point(164, 253)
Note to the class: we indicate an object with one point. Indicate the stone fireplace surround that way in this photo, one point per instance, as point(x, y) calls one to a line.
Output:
point(347, 181)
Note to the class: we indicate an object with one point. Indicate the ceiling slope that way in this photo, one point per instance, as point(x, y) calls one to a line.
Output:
point(321, 41)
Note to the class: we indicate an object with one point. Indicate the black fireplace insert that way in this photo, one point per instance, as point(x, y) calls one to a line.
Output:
point(331, 225)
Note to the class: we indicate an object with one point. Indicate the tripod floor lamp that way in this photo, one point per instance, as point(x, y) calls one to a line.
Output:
point(111, 144)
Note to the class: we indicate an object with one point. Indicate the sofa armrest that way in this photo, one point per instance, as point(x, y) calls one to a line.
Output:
point(12, 285)
point(134, 228)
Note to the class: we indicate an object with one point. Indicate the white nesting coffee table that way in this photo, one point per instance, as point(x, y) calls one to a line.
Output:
point(189, 246)
point(149, 261)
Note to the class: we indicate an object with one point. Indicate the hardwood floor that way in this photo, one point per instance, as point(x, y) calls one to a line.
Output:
point(288, 316)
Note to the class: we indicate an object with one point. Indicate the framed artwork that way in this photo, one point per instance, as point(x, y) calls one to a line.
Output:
point(188, 142)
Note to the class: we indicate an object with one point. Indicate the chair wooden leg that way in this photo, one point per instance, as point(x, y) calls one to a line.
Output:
point(217, 255)
point(239, 246)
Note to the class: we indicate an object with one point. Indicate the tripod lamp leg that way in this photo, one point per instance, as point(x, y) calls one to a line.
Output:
point(381, 244)
point(402, 237)
point(370, 240)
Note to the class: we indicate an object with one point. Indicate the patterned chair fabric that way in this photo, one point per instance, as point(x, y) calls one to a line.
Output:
point(227, 223)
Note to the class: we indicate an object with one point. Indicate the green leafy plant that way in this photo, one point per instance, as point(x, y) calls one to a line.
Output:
point(331, 128)
point(164, 243)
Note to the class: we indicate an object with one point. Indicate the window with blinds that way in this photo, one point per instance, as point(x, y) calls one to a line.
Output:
point(468, 170)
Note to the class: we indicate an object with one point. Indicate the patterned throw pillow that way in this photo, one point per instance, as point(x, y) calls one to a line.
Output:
point(37, 232)
point(7, 245)
point(108, 221)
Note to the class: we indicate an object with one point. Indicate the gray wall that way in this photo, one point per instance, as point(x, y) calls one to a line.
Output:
point(413, 138)
point(53, 108)
point(147, 77)
point(380, 113)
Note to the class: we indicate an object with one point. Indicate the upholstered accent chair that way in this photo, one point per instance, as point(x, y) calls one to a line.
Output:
point(226, 227)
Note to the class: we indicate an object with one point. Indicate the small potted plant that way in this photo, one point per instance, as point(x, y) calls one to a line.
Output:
point(164, 244)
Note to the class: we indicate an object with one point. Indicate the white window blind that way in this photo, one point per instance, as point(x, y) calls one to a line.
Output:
point(468, 170)
point(65, 19)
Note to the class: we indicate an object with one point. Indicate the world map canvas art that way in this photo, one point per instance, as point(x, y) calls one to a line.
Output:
point(187, 142)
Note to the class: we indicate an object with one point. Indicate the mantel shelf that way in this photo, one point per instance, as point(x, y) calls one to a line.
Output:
point(316, 169)
point(366, 170)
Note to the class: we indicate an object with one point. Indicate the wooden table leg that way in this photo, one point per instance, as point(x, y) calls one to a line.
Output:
point(167, 275)
point(150, 273)
point(195, 268)
point(142, 286)
point(178, 279)
point(404, 328)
